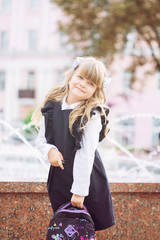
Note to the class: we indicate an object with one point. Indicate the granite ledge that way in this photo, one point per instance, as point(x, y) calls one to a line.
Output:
point(41, 187)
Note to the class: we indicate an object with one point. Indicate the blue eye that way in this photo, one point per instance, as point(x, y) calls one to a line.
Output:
point(90, 83)
point(80, 77)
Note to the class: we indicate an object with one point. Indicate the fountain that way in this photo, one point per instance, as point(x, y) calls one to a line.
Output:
point(23, 162)
point(133, 169)
point(20, 161)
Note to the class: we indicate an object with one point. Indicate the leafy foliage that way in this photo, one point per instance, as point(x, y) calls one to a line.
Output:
point(101, 28)
point(26, 121)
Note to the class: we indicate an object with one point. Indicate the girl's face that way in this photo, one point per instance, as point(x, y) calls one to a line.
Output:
point(80, 88)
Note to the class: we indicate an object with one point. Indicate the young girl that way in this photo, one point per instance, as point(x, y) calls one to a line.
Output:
point(74, 121)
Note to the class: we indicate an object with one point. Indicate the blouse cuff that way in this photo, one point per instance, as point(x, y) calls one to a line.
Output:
point(76, 191)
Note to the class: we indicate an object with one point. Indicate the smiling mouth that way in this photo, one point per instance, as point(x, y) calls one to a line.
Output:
point(80, 89)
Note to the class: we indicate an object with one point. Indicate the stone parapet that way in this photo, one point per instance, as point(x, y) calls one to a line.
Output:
point(25, 211)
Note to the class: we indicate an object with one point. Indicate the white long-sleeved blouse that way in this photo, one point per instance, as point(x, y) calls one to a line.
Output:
point(84, 156)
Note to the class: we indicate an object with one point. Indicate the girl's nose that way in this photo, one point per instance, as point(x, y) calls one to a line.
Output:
point(83, 83)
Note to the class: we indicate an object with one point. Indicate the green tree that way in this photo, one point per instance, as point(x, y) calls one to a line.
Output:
point(102, 28)
point(31, 130)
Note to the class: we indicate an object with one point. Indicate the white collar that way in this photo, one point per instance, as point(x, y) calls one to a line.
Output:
point(66, 106)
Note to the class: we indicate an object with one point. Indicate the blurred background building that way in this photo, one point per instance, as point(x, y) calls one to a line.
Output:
point(33, 57)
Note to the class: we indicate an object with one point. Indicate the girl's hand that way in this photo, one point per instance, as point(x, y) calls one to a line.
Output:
point(77, 201)
point(55, 158)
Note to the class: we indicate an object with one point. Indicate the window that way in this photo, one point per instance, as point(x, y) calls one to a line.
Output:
point(64, 42)
point(2, 80)
point(33, 39)
point(156, 132)
point(63, 39)
point(126, 81)
point(2, 127)
point(131, 40)
point(1, 113)
point(4, 40)
point(158, 80)
point(125, 132)
point(28, 90)
point(30, 83)
point(6, 5)
point(34, 4)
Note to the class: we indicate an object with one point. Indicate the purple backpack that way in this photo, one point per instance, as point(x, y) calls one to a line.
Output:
point(70, 223)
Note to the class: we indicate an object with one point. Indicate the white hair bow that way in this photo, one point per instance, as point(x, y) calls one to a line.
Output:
point(77, 62)
point(107, 81)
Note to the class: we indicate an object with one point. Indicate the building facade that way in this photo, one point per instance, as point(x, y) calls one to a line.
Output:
point(33, 57)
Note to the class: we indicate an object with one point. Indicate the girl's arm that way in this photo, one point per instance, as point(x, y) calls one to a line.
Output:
point(84, 157)
point(49, 152)
point(41, 143)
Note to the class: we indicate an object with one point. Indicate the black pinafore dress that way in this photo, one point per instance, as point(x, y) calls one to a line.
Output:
point(99, 201)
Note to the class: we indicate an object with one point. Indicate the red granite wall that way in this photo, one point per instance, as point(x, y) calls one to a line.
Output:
point(25, 211)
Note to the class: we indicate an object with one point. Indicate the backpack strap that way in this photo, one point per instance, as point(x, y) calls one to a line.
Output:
point(65, 206)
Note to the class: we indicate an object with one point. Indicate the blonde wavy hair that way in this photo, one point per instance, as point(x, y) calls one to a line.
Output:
point(94, 71)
